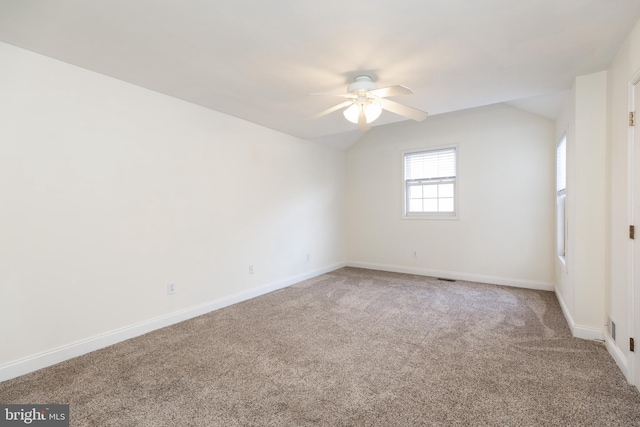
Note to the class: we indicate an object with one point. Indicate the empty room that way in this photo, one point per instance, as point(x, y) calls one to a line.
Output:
point(336, 213)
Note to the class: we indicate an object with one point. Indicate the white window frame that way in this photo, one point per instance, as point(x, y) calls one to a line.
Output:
point(454, 180)
point(561, 204)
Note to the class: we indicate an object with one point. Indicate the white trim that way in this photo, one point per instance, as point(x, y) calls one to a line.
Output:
point(493, 280)
point(631, 189)
point(578, 331)
point(431, 215)
point(587, 333)
point(617, 354)
point(69, 351)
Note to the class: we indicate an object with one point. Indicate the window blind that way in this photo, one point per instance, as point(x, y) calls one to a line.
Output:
point(430, 165)
point(561, 165)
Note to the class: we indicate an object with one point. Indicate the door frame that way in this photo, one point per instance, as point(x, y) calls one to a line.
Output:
point(633, 288)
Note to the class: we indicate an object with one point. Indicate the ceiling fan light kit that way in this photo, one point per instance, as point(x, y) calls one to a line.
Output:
point(366, 103)
point(372, 111)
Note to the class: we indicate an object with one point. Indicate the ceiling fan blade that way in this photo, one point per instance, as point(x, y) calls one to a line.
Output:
point(331, 110)
point(404, 110)
point(396, 90)
point(362, 121)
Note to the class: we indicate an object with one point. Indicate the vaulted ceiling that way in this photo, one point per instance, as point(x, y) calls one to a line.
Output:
point(259, 60)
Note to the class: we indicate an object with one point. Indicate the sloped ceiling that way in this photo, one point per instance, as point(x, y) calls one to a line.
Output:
point(259, 60)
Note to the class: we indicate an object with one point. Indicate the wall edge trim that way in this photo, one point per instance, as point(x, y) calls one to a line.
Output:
point(480, 278)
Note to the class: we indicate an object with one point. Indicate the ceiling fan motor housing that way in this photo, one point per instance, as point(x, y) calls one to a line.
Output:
point(361, 83)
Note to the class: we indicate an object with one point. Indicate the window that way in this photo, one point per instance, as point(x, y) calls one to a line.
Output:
point(561, 198)
point(430, 183)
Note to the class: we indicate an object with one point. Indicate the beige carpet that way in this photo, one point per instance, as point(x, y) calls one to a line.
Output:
point(350, 348)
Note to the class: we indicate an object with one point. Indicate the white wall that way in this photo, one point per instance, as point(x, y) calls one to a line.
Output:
point(110, 191)
point(505, 230)
point(581, 282)
point(590, 199)
point(618, 296)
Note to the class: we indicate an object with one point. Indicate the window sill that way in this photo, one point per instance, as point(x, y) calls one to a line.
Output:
point(431, 216)
point(562, 261)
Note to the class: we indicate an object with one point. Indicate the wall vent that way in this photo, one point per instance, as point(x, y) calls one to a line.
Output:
point(611, 328)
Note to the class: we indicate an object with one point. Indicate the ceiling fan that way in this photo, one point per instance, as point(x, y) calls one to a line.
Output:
point(365, 102)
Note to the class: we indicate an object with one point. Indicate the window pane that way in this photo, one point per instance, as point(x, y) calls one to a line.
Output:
point(561, 228)
point(446, 205)
point(415, 192)
point(430, 191)
point(415, 205)
point(445, 190)
point(431, 205)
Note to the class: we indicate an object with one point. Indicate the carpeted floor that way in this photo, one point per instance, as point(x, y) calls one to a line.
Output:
point(350, 348)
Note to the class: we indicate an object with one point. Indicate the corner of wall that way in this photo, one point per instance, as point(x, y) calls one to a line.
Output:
point(577, 330)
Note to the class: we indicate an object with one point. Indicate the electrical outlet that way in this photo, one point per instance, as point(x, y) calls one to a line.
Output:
point(415, 254)
point(308, 257)
point(171, 288)
point(251, 269)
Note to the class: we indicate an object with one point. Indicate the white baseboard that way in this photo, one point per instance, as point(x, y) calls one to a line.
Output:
point(60, 354)
point(578, 331)
point(493, 280)
point(587, 333)
point(617, 354)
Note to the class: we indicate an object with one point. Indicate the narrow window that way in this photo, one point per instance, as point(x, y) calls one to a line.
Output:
point(561, 198)
point(430, 183)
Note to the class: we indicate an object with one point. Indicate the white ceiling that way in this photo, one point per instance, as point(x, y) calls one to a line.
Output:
point(258, 59)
